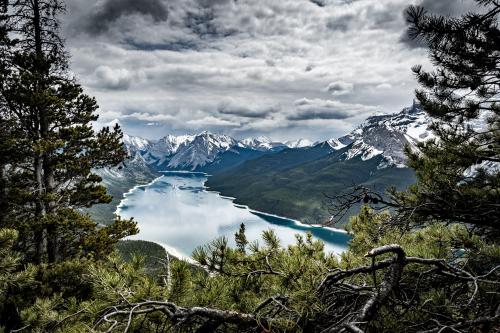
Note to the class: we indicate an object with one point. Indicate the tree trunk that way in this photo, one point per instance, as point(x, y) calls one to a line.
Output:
point(40, 212)
point(48, 172)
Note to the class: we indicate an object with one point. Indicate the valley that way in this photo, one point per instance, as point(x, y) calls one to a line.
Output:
point(291, 179)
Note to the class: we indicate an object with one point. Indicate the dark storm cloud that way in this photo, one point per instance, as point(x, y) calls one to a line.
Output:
point(210, 3)
point(374, 16)
point(229, 108)
point(178, 45)
point(388, 18)
point(203, 24)
point(108, 12)
point(321, 3)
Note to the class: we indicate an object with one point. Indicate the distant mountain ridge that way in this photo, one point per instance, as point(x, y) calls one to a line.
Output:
point(194, 152)
point(384, 135)
point(387, 136)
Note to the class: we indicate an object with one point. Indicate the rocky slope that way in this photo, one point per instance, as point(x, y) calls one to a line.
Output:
point(386, 136)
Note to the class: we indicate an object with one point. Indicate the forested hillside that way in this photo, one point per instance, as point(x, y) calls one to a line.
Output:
point(299, 183)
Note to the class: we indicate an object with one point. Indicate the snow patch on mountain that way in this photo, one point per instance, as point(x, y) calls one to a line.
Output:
point(336, 144)
point(135, 143)
point(160, 152)
point(387, 136)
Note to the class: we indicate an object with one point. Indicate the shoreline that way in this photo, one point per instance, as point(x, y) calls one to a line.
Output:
point(297, 222)
point(129, 192)
point(175, 252)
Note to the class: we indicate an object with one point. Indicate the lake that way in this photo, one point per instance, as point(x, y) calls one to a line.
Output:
point(178, 212)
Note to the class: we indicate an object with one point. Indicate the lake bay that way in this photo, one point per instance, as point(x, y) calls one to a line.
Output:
point(178, 212)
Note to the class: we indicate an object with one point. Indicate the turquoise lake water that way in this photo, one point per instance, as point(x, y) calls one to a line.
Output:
point(178, 212)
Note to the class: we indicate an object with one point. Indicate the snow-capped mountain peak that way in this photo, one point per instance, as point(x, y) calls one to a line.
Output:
point(201, 150)
point(160, 151)
point(386, 136)
point(300, 143)
point(261, 143)
point(135, 143)
point(383, 135)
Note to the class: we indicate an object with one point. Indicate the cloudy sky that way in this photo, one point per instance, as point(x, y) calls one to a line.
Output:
point(281, 68)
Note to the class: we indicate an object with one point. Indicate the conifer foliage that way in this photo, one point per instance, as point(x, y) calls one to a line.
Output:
point(48, 150)
point(459, 171)
point(51, 147)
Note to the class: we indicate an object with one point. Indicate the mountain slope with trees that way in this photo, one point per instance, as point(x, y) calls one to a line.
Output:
point(297, 183)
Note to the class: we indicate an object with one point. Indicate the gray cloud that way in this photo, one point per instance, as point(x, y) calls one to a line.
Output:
point(203, 23)
point(230, 108)
point(449, 7)
point(341, 23)
point(320, 3)
point(211, 3)
point(256, 54)
point(104, 14)
point(115, 79)
point(338, 88)
point(307, 109)
point(386, 18)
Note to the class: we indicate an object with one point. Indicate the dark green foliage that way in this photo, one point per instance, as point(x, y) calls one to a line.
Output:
point(232, 158)
point(48, 151)
point(458, 175)
point(13, 277)
point(241, 239)
point(48, 120)
point(292, 289)
point(151, 252)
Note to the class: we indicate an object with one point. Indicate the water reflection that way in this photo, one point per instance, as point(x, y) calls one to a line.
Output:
point(177, 212)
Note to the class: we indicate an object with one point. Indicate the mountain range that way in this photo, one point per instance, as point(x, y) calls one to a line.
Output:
point(384, 135)
point(197, 152)
point(285, 178)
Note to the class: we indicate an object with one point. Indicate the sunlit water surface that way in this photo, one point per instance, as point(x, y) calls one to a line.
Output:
point(177, 212)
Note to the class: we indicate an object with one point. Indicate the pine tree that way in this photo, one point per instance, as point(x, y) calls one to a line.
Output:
point(241, 239)
point(458, 173)
point(48, 151)
point(49, 115)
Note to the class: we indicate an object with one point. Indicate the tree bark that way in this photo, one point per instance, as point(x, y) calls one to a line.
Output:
point(48, 172)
